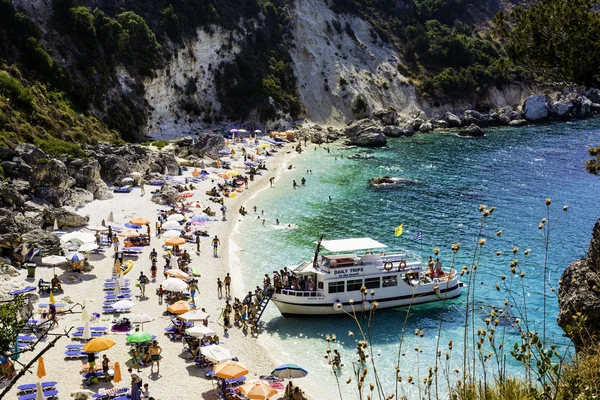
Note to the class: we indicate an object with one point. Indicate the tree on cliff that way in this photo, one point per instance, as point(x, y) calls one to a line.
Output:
point(556, 39)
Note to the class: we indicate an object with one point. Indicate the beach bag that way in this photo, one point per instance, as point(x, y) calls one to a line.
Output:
point(137, 284)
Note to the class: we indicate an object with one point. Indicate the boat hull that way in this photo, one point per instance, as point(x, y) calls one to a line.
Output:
point(322, 305)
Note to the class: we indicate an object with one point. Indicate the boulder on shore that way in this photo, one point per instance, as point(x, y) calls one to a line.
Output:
point(471, 131)
point(167, 194)
point(367, 133)
point(579, 296)
point(535, 108)
point(64, 218)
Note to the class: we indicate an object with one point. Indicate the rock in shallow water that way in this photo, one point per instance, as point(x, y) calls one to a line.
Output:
point(471, 131)
point(367, 133)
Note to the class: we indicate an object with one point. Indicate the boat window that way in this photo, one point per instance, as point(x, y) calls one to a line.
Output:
point(320, 285)
point(390, 280)
point(353, 284)
point(372, 283)
point(336, 287)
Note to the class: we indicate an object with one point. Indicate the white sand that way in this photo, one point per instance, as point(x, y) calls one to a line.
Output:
point(179, 377)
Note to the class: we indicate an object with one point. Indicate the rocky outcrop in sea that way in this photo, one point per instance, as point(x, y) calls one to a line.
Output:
point(579, 296)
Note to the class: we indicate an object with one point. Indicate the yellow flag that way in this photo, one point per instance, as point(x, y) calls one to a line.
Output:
point(52, 301)
point(398, 230)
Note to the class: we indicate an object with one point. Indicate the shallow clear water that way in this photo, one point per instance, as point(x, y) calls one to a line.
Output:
point(512, 169)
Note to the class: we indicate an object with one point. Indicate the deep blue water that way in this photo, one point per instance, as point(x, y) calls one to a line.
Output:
point(514, 170)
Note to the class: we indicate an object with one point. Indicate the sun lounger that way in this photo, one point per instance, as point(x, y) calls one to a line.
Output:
point(79, 334)
point(23, 290)
point(49, 394)
point(111, 280)
point(75, 346)
point(111, 393)
point(47, 305)
point(26, 338)
point(112, 296)
point(75, 354)
point(114, 311)
point(31, 387)
point(124, 189)
point(93, 328)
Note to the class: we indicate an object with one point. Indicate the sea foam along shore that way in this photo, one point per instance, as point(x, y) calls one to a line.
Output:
point(178, 378)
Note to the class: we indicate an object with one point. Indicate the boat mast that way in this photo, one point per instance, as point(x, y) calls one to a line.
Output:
point(317, 252)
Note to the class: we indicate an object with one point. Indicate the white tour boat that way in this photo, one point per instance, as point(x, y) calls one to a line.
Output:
point(393, 280)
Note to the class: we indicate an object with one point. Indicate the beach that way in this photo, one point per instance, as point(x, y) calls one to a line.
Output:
point(179, 378)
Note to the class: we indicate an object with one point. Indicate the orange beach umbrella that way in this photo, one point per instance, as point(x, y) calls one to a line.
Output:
point(230, 370)
point(180, 307)
point(117, 373)
point(196, 173)
point(139, 221)
point(41, 368)
point(257, 390)
point(174, 241)
point(98, 344)
point(177, 273)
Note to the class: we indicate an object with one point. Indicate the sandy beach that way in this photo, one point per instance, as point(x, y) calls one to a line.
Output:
point(179, 377)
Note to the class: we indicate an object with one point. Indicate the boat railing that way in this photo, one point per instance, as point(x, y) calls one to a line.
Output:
point(303, 293)
point(448, 276)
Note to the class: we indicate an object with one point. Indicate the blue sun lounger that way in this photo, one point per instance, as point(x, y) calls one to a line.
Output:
point(93, 328)
point(26, 338)
point(23, 290)
point(31, 387)
point(79, 334)
point(112, 296)
point(49, 394)
point(75, 354)
point(75, 346)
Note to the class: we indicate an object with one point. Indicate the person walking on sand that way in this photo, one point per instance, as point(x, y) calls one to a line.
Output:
point(160, 292)
point(219, 288)
point(115, 241)
point(154, 352)
point(143, 189)
point(142, 280)
point(228, 285)
point(216, 242)
point(271, 180)
point(197, 242)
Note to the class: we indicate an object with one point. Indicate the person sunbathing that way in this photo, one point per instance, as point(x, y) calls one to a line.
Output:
point(56, 283)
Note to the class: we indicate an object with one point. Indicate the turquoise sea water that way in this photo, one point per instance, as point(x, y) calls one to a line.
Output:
point(512, 169)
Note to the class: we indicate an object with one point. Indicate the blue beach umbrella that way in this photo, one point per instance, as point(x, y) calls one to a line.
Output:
point(132, 226)
point(289, 371)
point(75, 256)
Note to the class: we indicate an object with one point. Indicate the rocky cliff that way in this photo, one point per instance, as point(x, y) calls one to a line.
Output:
point(579, 296)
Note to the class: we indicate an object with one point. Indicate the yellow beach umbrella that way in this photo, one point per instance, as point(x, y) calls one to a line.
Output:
point(233, 173)
point(264, 145)
point(175, 241)
point(257, 390)
point(52, 301)
point(117, 374)
point(230, 370)
point(41, 368)
point(98, 344)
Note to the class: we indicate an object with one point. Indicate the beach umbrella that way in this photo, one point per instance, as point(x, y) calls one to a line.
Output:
point(174, 242)
point(97, 228)
point(75, 256)
point(289, 371)
point(98, 344)
point(117, 288)
point(172, 225)
point(85, 314)
point(110, 218)
point(257, 390)
point(171, 233)
point(199, 331)
point(138, 337)
point(54, 260)
point(141, 318)
point(118, 267)
point(264, 145)
point(84, 237)
point(51, 298)
point(230, 370)
point(177, 273)
point(39, 392)
point(139, 221)
point(135, 174)
point(242, 131)
point(127, 180)
point(175, 217)
point(55, 226)
point(200, 218)
point(232, 173)
point(174, 285)
point(132, 226)
point(173, 263)
point(87, 334)
point(186, 195)
point(258, 131)
point(195, 173)
point(195, 315)
point(214, 353)
point(88, 247)
point(122, 305)
point(129, 233)
point(117, 373)
point(180, 307)
point(41, 368)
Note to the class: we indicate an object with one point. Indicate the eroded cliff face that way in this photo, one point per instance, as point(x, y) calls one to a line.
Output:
point(182, 96)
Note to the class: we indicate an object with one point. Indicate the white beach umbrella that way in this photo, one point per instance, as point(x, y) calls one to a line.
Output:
point(174, 264)
point(75, 256)
point(84, 237)
point(175, 217)
point(122, 305)
point(53, 260)
point(88, 247)
point(39, 392)
point(110, 218)
point(85, 314)
point(258, 131)
point(171, 233)
point(87, 334)
point(127, 180)
point(242, 131)
point(194, 315)
point(174, 285)
point(141, 318)
point(117, 287)
point(172, 225)
point(97, 228)
point(135, 174)
point(55, 226)
point(215, 353)
point(199, 331)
